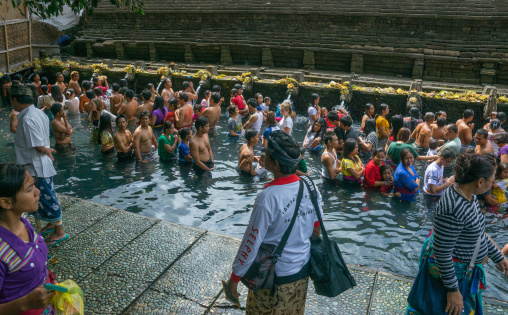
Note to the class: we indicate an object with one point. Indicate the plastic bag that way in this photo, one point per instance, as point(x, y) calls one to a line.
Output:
point(68, 303)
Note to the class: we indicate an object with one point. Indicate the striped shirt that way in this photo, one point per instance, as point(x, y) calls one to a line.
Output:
point(457, 225)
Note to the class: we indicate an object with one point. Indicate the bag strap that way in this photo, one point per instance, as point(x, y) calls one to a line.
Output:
point(476, 251)
point(313, 196)
point(285, 237)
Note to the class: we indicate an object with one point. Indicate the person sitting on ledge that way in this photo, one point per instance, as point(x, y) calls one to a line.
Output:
point(144, 138)
point(246, 156)
point(200, 149)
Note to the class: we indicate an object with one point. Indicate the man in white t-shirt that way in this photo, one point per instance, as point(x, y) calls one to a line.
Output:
point(434, 184)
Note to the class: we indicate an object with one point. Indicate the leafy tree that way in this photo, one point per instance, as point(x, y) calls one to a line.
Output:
point(48, 8)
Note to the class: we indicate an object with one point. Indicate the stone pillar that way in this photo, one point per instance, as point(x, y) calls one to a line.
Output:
point(418, 69)
point(154, 56)
point(140, 64)
point(298, 76)
point(225, 56)
point(357, 63)
point(267, 58)
point(89, 50)
point(120, 51)
point(212, 70)
point(309, 61)
point(189, 56)
point(488, 73)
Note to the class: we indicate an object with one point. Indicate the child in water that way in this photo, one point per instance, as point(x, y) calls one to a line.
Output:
point(386, 172)
point(499, 188)
point(198, 109)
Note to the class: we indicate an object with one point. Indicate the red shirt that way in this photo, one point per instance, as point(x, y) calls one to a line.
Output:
point(238, 101)
point(372, 175)
point(170, 117)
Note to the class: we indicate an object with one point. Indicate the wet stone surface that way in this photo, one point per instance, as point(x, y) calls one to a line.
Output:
point(78, 256)
point(127, 274)
point(390, 296)
point(156, 302)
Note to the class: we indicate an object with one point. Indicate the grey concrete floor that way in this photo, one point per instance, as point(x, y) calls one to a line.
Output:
point(131, 264)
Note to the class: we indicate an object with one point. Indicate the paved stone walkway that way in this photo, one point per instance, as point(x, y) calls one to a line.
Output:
point(131, 264)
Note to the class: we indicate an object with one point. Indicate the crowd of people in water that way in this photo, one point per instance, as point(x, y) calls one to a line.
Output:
point(165, 124)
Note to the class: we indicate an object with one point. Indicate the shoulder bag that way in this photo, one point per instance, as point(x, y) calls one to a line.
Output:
point(261, 274)
point(428, 294)
point(328, 271)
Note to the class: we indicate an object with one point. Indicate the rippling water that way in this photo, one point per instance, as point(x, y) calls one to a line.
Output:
point(372, 231)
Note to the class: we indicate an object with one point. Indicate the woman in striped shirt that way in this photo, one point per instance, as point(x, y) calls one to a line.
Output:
point(459, 223)
point(23, 252)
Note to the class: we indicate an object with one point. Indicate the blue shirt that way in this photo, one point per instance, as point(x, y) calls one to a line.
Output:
point(267, 131)
point(183, 150)
point(404, 182)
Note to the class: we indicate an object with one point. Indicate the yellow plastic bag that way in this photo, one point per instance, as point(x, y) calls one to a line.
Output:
point(68, 303)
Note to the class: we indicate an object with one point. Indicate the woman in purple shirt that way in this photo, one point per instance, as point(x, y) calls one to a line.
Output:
point(158, 115)
point(23, 252)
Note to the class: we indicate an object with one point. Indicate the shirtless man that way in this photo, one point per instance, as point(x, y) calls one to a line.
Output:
point(83, 99)
point(213, 112)
point(73, 83)
point(129, 108)
point(60, 82)
point(256, 118)
point(183, 115)
point(438, 130)
point(329, 160)
point(200, 149)
point(62, 130)
point(423, 132)
point(87, 107)
point(188, 87)
point(247, 153)
point(144, 138)
point(116, 100)
point(465, 127)
point(167, 93)
point(123, 139)
point(483, 144)
point(146, 95)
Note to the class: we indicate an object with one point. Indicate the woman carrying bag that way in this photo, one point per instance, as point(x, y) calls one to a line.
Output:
point(276, 213)
point(451, 277)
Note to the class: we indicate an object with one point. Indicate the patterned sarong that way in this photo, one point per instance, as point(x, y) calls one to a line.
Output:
point(49, 207)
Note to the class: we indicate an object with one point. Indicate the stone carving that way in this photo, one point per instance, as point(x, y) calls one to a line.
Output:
point(491, 105)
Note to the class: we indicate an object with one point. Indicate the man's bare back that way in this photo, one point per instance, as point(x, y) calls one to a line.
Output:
point(465, 132)
point(146, 106)
point(129, 109)
point(75, 86)
point(60, 131)
point(213, 115)
point(115, 103)
point(437, 132)
point(183, 116)
point(422, 135)
point(245, 160)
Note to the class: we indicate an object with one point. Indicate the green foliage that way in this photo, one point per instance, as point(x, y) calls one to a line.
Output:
point(48, 8)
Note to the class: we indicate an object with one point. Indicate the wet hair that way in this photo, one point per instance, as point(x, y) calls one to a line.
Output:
point(129, 93)
point(184, 96)
point(286, 106)
point(382, 108)
point(433, 144)
point(95, 80)
point(441, 122)
point(185, 85)
point(252, 102)
point(56, 108)
point(346, 121)
point(495, 123)
point(501, 116)
point(440, 113)
point(322, 129)
point(173, 103)
point(115, 87)
point(270, 119)
point(31, 78)
point(429, 117)
point(232, 109)
point(123, 90)
point(216, 88)
point(7, 78)
point(403, 135)
point(383, 168)
point(256, 96)
point(146, 95)
point(367, 107)
point(238, 86)
point(184, 132)
point(483, 133)
point(158, 103)
point(144, 113)
point(200, 122)
point(119, 117)
point(104, 125)
point(90, 94)
point(56, 94)
point(44, 89)
point(313, 98)
point(501, 166)
point(267, 99)
point(501, 138)
point(468, 113)
point(453, 128)
point(98, 91)
point(290, 147)
point(35, 92)
point(397, 123)
point(415, 113)
point(12, 178)
point(150, 86)
point(69, 92)
point(205, 94)
point(403, 154)
point(234, 92)
point(58, 74)
point(215, 97)
point(447, 153)
point(332, 116)
point(167, 125)
point(86, 85)
point(370, 126)
point(349, 146)
point(250, 133)
point(328, 137)
point(98, 103)
point(74, 73)
point(469, 168)
point(377, 151)
point(123, 83)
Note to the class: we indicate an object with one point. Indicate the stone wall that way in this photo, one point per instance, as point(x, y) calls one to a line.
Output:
point(450, 41)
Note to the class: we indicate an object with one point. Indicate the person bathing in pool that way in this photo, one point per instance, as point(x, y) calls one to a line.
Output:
point(199, 145)
point(246, 156)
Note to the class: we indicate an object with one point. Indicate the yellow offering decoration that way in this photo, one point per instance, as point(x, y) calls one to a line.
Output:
point(68, 303)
